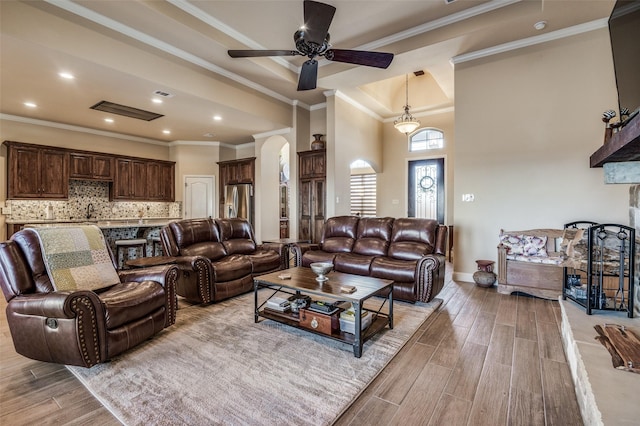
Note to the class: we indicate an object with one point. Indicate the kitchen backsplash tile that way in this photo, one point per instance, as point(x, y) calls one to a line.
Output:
point(83, 193)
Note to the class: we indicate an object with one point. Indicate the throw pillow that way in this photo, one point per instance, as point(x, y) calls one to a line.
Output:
point(513, 243)
point(535, 246)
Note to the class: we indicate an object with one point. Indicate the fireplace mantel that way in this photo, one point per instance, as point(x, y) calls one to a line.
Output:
point(622, 147)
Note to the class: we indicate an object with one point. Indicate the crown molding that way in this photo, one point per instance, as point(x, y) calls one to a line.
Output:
point(201, 15)
point(282, 131)
point(531, 41)
point(352, 102)
point(432, 25)
point(195, 143)
point(53, 124)
point(90, 15)
point(300, 104)
point(316, 107)
point(438, 23)
point(241, 146)
point(212, 144)
point(187, 7)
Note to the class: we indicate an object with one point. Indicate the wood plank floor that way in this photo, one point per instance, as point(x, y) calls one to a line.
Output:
point(482, 359)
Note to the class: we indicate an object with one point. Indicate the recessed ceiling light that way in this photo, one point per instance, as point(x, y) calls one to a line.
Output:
point(30, 104)
point(540, 25)
point(66, 75)
point(109, 120)
point(156, 101)
point(166, 132)
point(217, 117)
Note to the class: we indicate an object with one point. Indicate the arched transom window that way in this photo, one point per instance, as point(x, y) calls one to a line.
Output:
point(425, 139)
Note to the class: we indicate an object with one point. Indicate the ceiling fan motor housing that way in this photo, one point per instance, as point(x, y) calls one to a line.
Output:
point(310, 48)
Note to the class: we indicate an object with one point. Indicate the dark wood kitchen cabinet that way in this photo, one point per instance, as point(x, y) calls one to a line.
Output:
point(237, 171)
point(161, 181)
point(91, 166)
point(234, 172)
point(37, 172)
point(139, 179)
point(130, 181)
point(40, 171)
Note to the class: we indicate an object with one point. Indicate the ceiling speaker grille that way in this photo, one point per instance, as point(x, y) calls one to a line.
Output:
point(127, 111)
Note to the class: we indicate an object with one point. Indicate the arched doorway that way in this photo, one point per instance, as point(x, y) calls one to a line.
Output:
point(274, 154)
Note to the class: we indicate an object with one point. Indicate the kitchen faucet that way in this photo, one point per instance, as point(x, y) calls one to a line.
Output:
point(89, 210)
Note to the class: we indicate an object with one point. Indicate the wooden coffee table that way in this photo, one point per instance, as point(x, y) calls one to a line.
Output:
point(303, 282)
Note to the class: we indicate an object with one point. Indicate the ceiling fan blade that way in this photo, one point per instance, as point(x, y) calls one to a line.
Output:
point(308, 75)
point(360, 57)
point(317, 19)
point(259, 53)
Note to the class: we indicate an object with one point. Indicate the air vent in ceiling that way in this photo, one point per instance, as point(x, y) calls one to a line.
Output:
point(163, 94)
point(127, 111)
point(418, 73)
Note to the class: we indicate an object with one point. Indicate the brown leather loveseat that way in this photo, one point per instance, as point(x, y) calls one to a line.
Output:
point(409, 251)
point(80, 327)
point(218, 258)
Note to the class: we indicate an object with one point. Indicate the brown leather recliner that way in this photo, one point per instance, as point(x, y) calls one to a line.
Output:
point(218, 258)
point(80, 327)
point(409, 251)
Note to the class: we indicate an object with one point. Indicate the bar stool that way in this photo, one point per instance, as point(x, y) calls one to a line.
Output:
point(138, 243)
point(157, 246)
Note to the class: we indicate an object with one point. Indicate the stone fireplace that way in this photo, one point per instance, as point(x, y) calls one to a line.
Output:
point(603, 391)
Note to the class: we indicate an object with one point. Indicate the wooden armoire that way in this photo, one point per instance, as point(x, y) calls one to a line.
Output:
point(312, 194)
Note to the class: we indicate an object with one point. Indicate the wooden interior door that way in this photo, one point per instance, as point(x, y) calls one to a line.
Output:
point(199, 197)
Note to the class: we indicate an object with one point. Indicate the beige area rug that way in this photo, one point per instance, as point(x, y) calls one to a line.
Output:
point(216, 366)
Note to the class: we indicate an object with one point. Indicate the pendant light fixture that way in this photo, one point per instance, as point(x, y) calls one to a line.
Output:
point(406, 123)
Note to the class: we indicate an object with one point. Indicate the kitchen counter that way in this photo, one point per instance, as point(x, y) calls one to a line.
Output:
point(101, 223)
point(113, 229)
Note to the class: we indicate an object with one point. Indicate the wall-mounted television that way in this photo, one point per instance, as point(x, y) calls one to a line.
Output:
point(624, 30)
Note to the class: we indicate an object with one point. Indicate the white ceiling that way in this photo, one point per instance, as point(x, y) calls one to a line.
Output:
point(122, 51)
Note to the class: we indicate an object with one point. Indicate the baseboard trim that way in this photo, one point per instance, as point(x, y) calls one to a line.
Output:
point(462, 276)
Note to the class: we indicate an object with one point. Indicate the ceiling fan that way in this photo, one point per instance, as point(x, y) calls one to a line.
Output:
point(312, 41)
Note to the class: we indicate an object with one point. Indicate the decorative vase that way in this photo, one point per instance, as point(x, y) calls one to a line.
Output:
point(317, 143)
point(484, 276)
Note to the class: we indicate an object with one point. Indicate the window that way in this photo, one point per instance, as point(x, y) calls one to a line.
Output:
point(426, 139)
point(363, 189)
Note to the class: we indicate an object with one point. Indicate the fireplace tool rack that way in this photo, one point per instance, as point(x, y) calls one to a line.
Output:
point(610, 269)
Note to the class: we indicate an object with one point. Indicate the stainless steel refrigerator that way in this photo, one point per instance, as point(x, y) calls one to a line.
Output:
point(238, 201)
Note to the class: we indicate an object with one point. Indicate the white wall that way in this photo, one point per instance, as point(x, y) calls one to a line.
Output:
point(356, 135)
point(526, 123)
point(195, 158)
point(267, 194)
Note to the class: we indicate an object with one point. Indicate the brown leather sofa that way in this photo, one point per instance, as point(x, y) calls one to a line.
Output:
point(80, 327)
point(409, 251)
point(218, 258)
